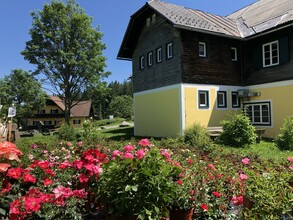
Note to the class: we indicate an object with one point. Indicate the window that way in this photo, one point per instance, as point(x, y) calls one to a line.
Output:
point(259, 113)
point(235, 100)
point(148, 21)
point(76, 121)
point(169, 50)
point(270, 54)
point(233, 53)
point(47, 122)
point(153, 19)
point(159, 55)
point(203, 99)
point(222, 99)
point(54, 111)
point(41, 111)
point(150, 58)
point(202, 49)
point(141, 60)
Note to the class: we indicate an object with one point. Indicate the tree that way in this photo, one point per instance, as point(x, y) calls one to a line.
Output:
point(121, 106)
point(24, 91)
point(67, 50)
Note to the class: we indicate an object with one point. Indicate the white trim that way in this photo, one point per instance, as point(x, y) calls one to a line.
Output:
point(270, 85)
point(271, 56)
point(234, 49)
point(159, 55)
point(226, 100)
point(204, 49)
point(207, 99)
point(177, 86)
point(271, 111)
point(169, 50)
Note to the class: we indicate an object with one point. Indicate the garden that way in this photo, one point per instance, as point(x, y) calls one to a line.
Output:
point(109, 174)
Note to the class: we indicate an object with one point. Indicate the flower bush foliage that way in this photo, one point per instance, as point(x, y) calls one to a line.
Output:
point(284, 140)
point(73, 180)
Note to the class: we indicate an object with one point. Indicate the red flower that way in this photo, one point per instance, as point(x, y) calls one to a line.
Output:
point(217, 194)
point(29, 178)
point(166, 154)
point(128, 156)
point(32, 204)
point(15, 173)
point(50, 172)
point(237, 200)
point(179, 182)
point(83, 178)
point(48, 182)
point(15, 207)
point(128, 148)
point(140, 154)
point(204, 207)
point(211, 166)
point(6, 187)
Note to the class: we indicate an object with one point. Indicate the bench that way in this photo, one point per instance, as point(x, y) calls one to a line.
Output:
point(214, 131)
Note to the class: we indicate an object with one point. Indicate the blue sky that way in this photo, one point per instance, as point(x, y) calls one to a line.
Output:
point(112, 16)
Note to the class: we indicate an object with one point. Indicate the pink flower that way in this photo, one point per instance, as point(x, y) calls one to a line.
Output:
point(243, 176)
point(140, 154)
point(237, 200)
point(204, 207)
point(290, 159)
point(79, 143)
point(69, 144)
point(48, 182)
point(83, 178)
point(62, 191)
point(128, 148)
point(77, 164)
point(217, 194)
point(128, 156)
point(291, 167)
point(166, 154)
point(15, 206)
point(29, 178)
point(144, 142)
point(79, 193)
point(116, 153)
point(211, 166)
point(245, 161)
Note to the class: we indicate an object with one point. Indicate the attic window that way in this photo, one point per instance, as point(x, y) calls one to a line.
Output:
point(150, 58)
point(169, 50)
point(141, 62)
point(151, 20)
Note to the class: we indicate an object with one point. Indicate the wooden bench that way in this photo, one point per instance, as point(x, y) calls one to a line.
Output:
point(214, 131)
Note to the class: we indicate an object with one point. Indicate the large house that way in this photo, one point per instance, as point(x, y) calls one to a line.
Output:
point(191, 66)
point(52, 115)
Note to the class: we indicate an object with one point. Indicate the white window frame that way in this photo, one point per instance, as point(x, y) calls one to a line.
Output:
point(270, 45)
point(141, 62)
point(159, 55)
point(224, 104)
point(150, 58)
point(204, 54)
point(206, 103)
point(234, 50)
point(148, 21)
point(260, 104)
point(169, 50)
point(237, 99)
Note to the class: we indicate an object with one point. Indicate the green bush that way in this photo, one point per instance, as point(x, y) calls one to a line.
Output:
point(284, 141)
point(197, 135)
point(121, 107)
point(237, 131)
point(68, 133)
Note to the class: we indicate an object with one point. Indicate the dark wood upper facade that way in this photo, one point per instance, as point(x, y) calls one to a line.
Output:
point(217, 66)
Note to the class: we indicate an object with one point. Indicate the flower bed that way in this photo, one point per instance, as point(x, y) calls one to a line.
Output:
point(74, 181)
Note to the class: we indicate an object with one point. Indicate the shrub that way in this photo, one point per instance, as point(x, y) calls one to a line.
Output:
point(197, 135)
point(237, 131)
point(284, 141)
point(68, 133)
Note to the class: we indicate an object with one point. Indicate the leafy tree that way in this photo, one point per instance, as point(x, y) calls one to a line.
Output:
point(67, 50)
point(24, 91)
point(121, 106)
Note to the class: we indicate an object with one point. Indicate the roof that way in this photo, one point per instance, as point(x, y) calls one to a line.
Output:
point(81, 109)
point(258, 17)
point(262, 15)
point(183, 17)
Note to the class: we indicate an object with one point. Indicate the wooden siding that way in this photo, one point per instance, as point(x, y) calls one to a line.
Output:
point(166, 73)
point(217, 67)
point(255, 73)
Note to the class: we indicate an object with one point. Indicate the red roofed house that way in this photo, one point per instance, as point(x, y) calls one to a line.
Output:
point(52, 114)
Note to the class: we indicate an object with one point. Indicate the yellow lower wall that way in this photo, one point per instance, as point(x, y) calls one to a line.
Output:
point(210, 117)
point(157, 113)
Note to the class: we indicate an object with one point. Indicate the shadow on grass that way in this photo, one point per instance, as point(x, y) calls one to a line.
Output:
point(118, 134)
